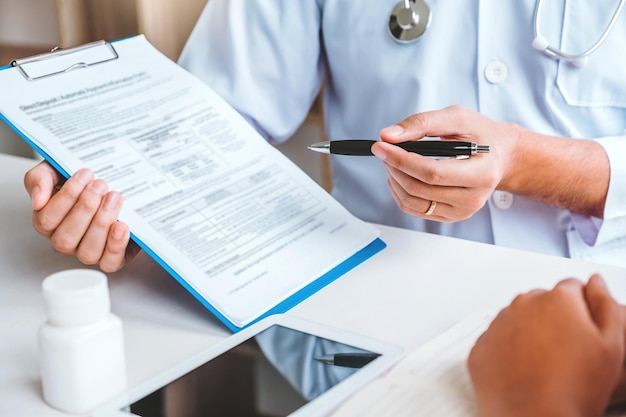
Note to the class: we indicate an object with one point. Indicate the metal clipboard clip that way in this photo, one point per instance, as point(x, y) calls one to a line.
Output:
point(60, 61)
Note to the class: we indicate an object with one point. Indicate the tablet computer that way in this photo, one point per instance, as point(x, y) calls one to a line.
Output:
point(280, 366)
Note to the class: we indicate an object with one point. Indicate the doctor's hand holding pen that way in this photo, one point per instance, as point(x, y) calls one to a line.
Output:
point(78, 216)
point(562, 172)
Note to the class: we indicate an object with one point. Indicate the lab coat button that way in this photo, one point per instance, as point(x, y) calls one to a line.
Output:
point(502, 199)
point(496, 72)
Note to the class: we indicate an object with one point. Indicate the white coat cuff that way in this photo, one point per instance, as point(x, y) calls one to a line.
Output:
point(596, 231)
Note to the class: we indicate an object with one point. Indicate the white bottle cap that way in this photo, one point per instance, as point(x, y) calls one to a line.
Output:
point(76, 297)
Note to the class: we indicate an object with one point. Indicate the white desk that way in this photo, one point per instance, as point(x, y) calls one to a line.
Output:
point(416, 288)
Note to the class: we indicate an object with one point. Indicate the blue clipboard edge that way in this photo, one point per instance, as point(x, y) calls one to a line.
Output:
point(33, 145)
point(359, 257)
point(356, 259)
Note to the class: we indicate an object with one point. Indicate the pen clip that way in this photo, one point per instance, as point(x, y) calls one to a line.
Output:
point(449, 157)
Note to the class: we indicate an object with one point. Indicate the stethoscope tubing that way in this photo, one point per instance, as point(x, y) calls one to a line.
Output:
point(559, 54)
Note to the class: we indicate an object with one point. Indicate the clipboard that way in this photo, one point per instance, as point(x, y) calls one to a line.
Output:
point(93, 53)
point(121, 71)
point(31, 67)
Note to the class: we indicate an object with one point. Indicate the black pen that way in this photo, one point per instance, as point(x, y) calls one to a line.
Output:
point(348, 360)
point(433, 148)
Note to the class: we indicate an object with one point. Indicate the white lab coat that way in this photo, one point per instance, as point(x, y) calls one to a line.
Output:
point(268, 58)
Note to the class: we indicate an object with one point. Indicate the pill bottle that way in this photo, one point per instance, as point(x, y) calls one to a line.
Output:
point(81, 345)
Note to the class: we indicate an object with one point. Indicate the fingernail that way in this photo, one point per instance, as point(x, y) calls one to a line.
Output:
point(83, 176)
point(379, 151)
point(392, 131)
point(98, 187)
point(112, 200)
point(118, 233)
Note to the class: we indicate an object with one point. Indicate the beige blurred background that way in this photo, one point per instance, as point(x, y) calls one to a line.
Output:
point(29, 27)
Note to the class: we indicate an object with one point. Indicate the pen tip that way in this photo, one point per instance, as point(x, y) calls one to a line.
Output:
point(322, 147)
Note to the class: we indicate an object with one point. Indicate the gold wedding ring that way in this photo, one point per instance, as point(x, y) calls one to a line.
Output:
point(431, 208)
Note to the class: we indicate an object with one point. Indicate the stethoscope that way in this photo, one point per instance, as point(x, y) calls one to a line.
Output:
point(540, 43)
point(409, 20)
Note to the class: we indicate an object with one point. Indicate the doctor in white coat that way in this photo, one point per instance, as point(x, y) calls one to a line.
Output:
point(485, 71)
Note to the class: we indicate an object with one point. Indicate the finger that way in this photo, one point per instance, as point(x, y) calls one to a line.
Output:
point(454, 173)
point(414, 165)
point(417, 206)
point(523, 298)
point(466, 197)
point(47, 219)
point(572, 290)
point(604, 310)
point(92, 244)
point(499, 317)
point(70, 232)
point(414, 186)
point(40, 182)
point(572, 284)
point(453, 122)
point(460, 202)
point(114, 255)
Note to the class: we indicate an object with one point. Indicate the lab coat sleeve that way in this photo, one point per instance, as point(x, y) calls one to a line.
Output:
point(263, 57)
point(594, 231)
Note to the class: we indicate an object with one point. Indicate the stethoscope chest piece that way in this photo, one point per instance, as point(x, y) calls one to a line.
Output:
point(409, 20)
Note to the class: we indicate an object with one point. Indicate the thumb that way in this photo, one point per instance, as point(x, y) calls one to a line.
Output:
point(604, 310)
point(414, 127)
point(450, 122)
point(39, 183)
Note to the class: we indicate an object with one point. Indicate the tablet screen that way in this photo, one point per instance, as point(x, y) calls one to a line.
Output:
point(273, 373)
